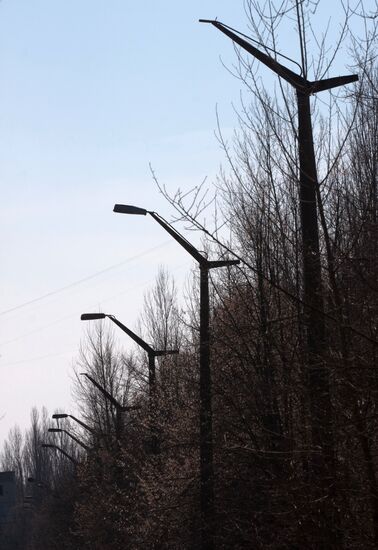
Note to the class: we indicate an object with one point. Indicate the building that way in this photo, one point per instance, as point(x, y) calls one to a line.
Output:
point(7, 495)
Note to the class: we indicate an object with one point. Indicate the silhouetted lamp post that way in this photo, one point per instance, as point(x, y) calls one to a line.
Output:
point(60, 430)
point(206, 430)
point(118, 407)
point(151, 352)
point(318, 375)
point(59, 416)
point(96, 435)
point(51, 446)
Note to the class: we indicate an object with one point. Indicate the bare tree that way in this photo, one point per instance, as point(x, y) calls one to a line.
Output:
point(260, 314)
point(100, 358)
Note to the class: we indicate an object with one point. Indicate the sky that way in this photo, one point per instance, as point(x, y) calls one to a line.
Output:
point(92, 93)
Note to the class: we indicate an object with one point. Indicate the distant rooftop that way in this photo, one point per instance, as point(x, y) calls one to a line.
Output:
point(7, 477)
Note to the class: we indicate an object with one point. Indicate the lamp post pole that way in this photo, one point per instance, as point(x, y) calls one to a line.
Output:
point(118, 407)
point(60, 430)
point(152, 354)
point(96, 435)
point(322, 467)
point(206, 427)
point(58, 416)
point(51, 446)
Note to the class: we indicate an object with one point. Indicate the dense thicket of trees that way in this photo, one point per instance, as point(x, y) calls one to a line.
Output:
point(123, 494)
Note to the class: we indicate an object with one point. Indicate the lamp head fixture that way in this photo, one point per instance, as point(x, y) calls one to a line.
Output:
point(128, 209)
point(92, 316)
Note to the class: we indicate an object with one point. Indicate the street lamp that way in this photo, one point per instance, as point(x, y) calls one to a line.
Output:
point(318, 374)
point(60, 430)
point(58, 416)
point(118, 407)
point(151, 352)
point(206, 430)
point(51, 446)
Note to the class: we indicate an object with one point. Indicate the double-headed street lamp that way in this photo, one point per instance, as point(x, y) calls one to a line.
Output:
point(206, 429)
point(60, 430)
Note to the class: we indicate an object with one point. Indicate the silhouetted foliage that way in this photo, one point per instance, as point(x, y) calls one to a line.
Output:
point(140, 487)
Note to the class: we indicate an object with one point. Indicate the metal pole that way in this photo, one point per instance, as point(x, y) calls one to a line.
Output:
point(152, 354)
point(83, 424)
point(318, 378)
point(152, 375)
point(155, 444)
point(322, 466)
point(51, 446)
point(119, 423)
point(77, 440)
point(206, 427)
point(206, 430)
point(118, 407)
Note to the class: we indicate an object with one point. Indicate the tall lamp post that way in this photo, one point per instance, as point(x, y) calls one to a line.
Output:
point(206, 429)
point(151, 352)
point(118, 407)
point(96, 435)
point(318, 376)
point(60, 430)
point(58, 416)
point(51, 446)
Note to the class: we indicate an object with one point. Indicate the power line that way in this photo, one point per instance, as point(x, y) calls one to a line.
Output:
point(50, 355)
point(73, 315)
point(85, 279)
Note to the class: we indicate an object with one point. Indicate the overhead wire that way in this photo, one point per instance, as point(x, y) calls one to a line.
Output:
point(40, 358)
point(83, 280)
point(72, 315)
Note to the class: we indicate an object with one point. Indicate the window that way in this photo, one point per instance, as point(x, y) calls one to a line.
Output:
point(1, 490)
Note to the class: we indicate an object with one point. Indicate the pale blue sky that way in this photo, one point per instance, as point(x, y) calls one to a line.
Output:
point(91, 92)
